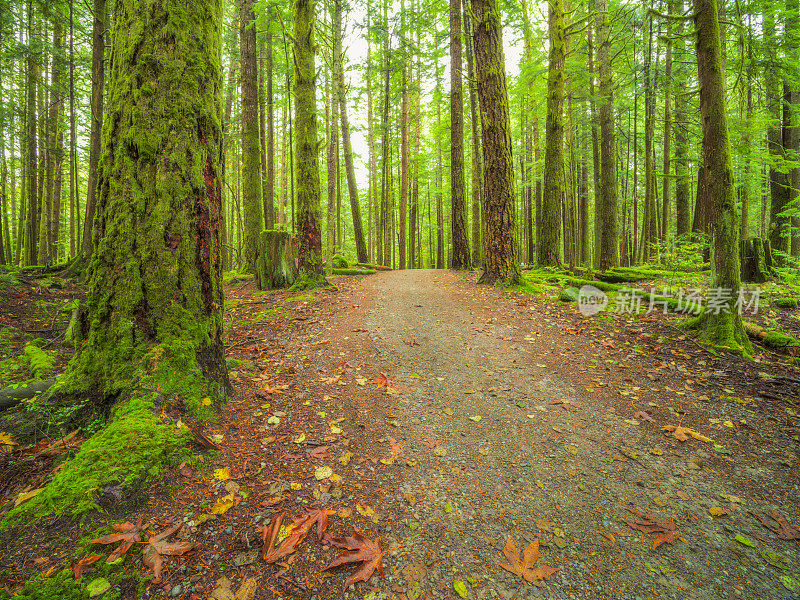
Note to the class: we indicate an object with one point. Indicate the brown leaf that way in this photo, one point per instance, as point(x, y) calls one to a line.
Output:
point(157, 547)
point(666, 531)
point(317, 452)
point(784, 530)
point(380, 380)
point(128, 534)
point(525, 567)
point(358, 549)
point(297, 532)
point(644, 415)
point(78, 567)
point(682, 433)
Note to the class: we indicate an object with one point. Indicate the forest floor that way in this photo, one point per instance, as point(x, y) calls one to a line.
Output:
point(456, 417)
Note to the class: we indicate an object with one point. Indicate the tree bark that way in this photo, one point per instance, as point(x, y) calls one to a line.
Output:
point(549, 234)
point(723, 328)
point(98, 76)
point(405, 150)
point(477, 158)
point(500, 258)
point(306, 147)
point(460, 244)
point(32, 213)
point(609, 238)
point(252, 190)
point(153, 319)
point(268, 132)
point(681, 132)
point(667, 155)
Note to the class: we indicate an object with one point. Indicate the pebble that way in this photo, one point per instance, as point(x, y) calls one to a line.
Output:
point(176, 591)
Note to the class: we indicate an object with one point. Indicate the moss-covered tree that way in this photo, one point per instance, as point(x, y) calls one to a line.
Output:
point(500, 248)
point(252, 189)
point(307, 147)
point(720, 327)
point(549, 233)
point(458, 202)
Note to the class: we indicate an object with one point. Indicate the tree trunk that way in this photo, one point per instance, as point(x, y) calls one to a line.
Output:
point(681, 132)
point(32, 213)
point(153, 320)
point(609, 238)
point(98, 75)
point(724, 327)
point(665, 210)
point(500, 258)
point(332, 159)
point(461, 257)
point(648, 240)
point(598, 213)
point(405, 151)
point(355, 208)
point(549, 234)
point(307, 145)
point(252, 189)
point(439, 175)
point(477, 158)
point(227, 226)
point(268, 194)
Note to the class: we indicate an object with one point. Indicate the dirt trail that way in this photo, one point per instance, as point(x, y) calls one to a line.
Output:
point(478, 374)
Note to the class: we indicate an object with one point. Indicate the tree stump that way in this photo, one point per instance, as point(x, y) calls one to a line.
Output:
point(756, 257)
point(275, 266)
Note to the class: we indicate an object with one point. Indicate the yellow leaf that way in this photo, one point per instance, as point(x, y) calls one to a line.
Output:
point(345, 458)
point(295, 485)
point(475, 418)
point(460, 588)
point(322, 472)
point(366, 511)
point(206, 401)
point(25, 496)
point(336, 430)
point(222, 474)
point(6, 439)
point(448, 411)
point(539, 484)
point(247, 591)
point(300, 438)
point(203, 518)
point(718, 511)
point(222, 505)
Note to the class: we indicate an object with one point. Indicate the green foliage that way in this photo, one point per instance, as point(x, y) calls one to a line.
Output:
point(309, 280)
point(568, 294)
point(778, 339)
point(232, 277)
point(789, 303)
point(7, 280)
point(339, 262)
point(344, 271)
point(40, 362)
point(131, 449)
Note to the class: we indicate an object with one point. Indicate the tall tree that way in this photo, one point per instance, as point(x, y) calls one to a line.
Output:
point(500, 259)
point(549, 234)
point(268, 131)
point(51, 207)
point(609, 237)
point(681, 132)
point(99, 13)
point(458, 206)
point(153, 316)
point(252, 189)
point(31, 159)
point(721, 327)
point(475, 125)
point(307, 147)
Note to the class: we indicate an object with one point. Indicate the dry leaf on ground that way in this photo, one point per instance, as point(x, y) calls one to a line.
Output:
point(78, 567)
point(157, 547)
point(127, 533)
point(784, 530)
point(682, 433)
point(358, 549)
point(525, 567)
point(666, 531)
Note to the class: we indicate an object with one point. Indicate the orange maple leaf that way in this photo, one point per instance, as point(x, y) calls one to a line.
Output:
point(525, 568)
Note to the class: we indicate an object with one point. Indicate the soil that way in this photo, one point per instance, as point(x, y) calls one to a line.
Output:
point(498, 416)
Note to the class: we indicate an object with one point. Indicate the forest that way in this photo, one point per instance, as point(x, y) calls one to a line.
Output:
point(289, 287)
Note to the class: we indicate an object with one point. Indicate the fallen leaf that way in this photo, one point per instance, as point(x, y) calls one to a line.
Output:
point(127, 533)
point(222, 505)
point(784, 530)
point(643, 414)
point(97, 587)
point(718, 511)
point(322, 472)
point(666, 531)
point(78, 567)
point(358, 549)
point(475, 418)
point(223, 590)
point(460, 588)
point(776, 559)
point(299, 439)
point(524, 567)
point(448, 411)
point(157, 547)
point(247, 591)
point(744, 541)
point(682, 433)
point(6, 439)
point(294, 533)
point(367, 511)
point(23, 497)
point(222, 474)
point(345, 458)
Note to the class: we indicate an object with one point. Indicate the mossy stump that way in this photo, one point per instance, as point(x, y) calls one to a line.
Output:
point(756, 258)
point(275, 267)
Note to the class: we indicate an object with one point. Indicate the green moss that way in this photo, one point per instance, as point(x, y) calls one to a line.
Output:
point(790, 303)
point(131, 449)
point(778, 339)
point(40, 362)
point(309, 280)
point(339, 262)
point(344, 271)
point(7, 281)
point(301, 298)
point(569, 294)
point(270, 314)
point(234, 364)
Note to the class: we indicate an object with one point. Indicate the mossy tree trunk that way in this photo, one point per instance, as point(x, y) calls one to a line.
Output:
point(96, 116)
point(31, 212)
point(405, 147)
point(268, 128)
point(681, 132)
point(477, 158)
point(440, 264)
point(153, 315)
point(595, 120)
point(609, 237)
point(500, 248)
point(458, 203)
point(723, 328)
point(252, 190)
point(307, 147)
point(549, 234)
